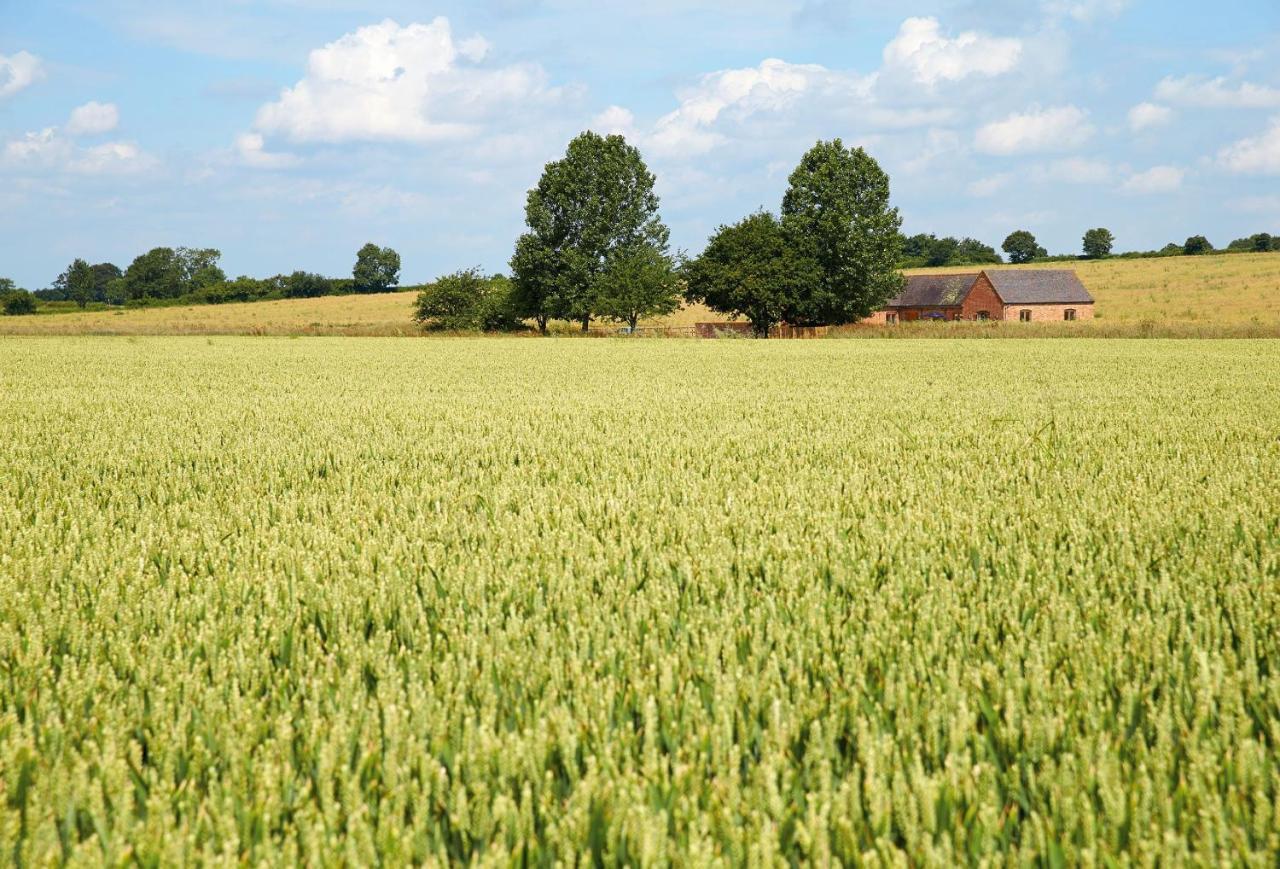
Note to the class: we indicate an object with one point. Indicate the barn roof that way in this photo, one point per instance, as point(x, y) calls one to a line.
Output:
point(1040, 287)
point(933, 291)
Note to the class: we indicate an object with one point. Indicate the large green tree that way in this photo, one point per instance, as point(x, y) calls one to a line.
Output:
point(104, 277)
point(1098, 243)
point(1022, 247)
point(591, 207)
point(836, 213)
point(637, 283)
point(1197, 245)
point(79, 282)
point(199, 268)
point(535, 288)
point(156, 274)
point(377, 269)
point(750, 270)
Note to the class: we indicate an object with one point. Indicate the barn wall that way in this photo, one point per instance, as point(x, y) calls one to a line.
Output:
point(983, 297)
point(1048, 313)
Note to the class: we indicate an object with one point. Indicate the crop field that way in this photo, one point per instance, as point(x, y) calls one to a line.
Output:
point(1237, 294)
point(507, 602)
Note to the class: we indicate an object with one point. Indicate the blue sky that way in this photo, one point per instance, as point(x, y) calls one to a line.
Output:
point(289, 132)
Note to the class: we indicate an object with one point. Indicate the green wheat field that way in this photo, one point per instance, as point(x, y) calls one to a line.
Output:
point(522, 602)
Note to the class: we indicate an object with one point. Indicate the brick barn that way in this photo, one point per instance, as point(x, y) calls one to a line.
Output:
point(1026, 295)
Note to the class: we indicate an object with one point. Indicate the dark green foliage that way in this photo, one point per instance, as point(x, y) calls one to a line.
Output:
point(199, 268)
point(1098, 243)
point(638, 283)
point(929, 250)
point(156, 274)
point(18, 303)
point(535, 285)
point(306, 285)
point(106, 286)
point(1022, 247)
point(1197, 245)
point(1262, 242)
point(467, 301)
point(377, 269)
point(78, 281)
point(169, 273)
point(588, 208)
point(15, 301)
point(749, 270)
point(836, 214)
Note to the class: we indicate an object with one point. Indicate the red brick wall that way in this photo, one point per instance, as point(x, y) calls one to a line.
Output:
point(983, 297)
point(1048, 313)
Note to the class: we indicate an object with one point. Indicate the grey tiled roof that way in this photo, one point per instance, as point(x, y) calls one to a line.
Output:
point(933, 291)
point(1039, 287)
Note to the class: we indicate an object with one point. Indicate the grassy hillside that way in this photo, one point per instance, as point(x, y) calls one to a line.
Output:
point(1228, 291)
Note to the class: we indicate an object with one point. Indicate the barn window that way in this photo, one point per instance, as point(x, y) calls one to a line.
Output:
point(984, 315)
point(891, 319)
point(1024, 316)
point(1069, 314)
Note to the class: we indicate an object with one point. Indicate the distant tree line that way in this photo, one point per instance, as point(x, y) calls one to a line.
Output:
point(924, 251)
point(182, 275)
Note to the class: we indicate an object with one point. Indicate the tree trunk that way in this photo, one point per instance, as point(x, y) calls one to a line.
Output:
point(632, 323)
point(586, 324)
point(761, 330)
point(542, 323)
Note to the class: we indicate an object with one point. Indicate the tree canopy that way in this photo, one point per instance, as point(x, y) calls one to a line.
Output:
point(1098, 243)
point(836, 214)
point(377, 269)
point(640, 282)
point(1197, 245)
point(750, 270)
point(1022, 247)
point(591, 207)
point(929, 250)
point(465, 301)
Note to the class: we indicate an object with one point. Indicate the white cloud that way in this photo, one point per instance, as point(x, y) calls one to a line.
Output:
point(991, 185)
point(1079, 170)
point(922, 51)
point(1085, 10)
point(615, 120)
point(415, 83)
point(1144, 116)
point(1258, 155)
point(1056, 129)
point(50, 150)
point(44, 147)
point(19, 71)
point(93, 118)
point(1157, 179)
point(1215, 93)
point(735, 95)
point(251, 149)
point(938, 145)
point(111, 158)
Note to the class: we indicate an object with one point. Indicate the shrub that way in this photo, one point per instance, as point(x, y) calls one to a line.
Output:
point(18, 303)
point(467, 301)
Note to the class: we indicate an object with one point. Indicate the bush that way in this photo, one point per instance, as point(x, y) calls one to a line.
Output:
point(307, 285)
point(19, 303)
point(1197, 245)
point(467, 301)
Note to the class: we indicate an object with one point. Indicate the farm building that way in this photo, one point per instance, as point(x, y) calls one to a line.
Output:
point(1027, 295)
